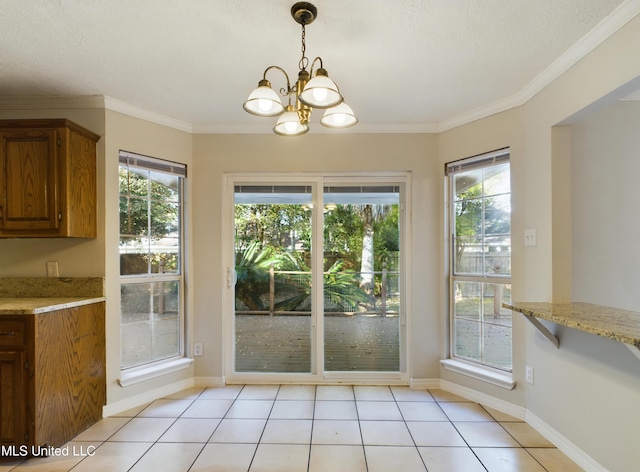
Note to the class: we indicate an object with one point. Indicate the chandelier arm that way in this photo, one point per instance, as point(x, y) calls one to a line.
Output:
point(284, 92)
point(313, 63)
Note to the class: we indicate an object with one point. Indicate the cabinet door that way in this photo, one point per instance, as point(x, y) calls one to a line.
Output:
point(13, 418)
point(29, 180)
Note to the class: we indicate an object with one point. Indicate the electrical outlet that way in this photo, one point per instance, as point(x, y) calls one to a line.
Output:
point(52, 269)
point(529, 374)
point(197, 349)
point(530, 237)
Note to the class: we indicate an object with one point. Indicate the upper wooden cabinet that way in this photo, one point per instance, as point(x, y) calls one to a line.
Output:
point(48, 181)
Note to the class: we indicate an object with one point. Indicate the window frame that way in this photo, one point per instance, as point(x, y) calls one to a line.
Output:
point(472, 367)
point(154, 367)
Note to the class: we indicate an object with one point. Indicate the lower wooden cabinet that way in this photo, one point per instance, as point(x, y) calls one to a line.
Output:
point(52, 376)
point(13, 387)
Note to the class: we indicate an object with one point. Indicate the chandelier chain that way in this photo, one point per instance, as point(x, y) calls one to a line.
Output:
point(304, 61)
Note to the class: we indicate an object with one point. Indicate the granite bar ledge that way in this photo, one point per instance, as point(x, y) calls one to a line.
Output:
point(613, 323)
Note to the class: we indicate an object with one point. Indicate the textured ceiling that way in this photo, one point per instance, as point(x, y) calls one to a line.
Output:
point(403, 63)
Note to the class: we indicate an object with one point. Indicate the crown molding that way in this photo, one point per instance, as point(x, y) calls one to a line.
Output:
point(92, 101)
point(607, 27)
point(136, 112)
point(602, 31)
point(484, 111)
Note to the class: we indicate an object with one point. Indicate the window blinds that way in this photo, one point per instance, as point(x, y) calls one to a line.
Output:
point(476, 162)
point(151, 163)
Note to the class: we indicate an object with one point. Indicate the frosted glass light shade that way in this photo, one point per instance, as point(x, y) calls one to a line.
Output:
point(289, 124)
point(340, 116)
point(320, 92)
point(263, 101)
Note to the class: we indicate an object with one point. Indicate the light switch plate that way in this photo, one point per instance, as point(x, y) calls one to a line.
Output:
point(529, 374)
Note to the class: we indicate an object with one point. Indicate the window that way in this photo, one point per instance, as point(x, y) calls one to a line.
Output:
point(151, 248)
point(480, 259)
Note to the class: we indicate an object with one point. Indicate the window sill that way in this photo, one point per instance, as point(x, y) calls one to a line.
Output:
point(141, 374)
point(494, 377)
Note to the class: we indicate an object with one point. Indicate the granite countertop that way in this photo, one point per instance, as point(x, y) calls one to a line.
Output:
point(33, 295)
point(613, 323)
point(36, 305)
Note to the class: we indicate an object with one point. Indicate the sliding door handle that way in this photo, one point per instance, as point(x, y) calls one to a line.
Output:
point(232, 277)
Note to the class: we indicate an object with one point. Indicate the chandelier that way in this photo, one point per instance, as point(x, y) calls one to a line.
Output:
point(310, 91)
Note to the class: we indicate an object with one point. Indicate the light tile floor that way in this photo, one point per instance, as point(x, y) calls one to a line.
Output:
point(309, 429)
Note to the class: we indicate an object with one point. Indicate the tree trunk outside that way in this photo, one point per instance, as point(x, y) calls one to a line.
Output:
point(366, 268)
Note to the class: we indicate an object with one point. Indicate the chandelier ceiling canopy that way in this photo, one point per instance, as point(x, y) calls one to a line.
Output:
point(313, 89)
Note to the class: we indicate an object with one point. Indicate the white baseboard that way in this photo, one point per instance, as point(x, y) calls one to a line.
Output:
point(479, 397)
point(209, 382)
point(146, 397)
point(576, 454)
point(424, 383)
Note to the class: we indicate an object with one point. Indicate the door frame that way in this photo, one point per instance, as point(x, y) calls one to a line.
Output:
point(317, 376)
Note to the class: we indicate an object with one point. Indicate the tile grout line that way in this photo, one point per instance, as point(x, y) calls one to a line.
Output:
point(215, 429)
point(458, 431)
point(125, 424)
point(409, 430)
point(175, 420)
point(516, 439)
point(313, 422)
point(364, 450)
point(265, 424)
point(101, 442)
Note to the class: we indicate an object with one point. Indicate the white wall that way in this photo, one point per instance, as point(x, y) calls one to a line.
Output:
point(605, 165)
point(215, 155)
point(588, 389)
point(605, 172)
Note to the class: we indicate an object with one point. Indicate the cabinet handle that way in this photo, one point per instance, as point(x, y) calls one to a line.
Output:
point(12, 333)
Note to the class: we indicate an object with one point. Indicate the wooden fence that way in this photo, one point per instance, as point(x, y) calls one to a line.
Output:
point(386, 297)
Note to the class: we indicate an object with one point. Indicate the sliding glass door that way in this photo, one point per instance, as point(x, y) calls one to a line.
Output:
point(361, 278)
point(273, 289)
point(297, 310)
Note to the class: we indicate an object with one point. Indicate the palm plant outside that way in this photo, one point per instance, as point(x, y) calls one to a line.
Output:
point(356, 237)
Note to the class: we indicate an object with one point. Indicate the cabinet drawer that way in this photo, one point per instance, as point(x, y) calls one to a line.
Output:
point(12, 332)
